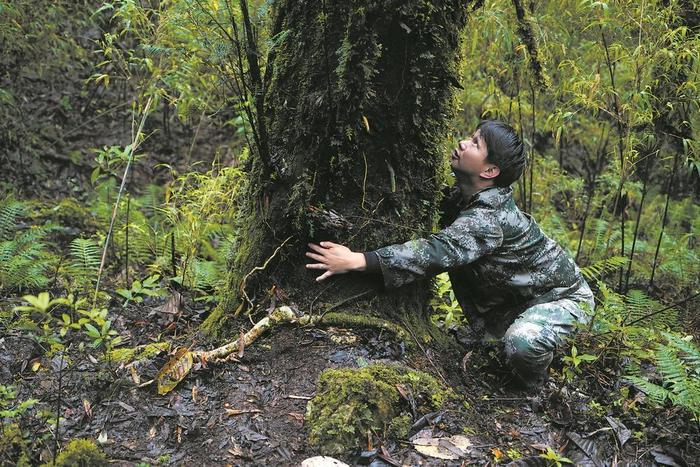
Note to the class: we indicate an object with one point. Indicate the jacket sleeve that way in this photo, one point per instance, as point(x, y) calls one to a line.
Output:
point(470, 237)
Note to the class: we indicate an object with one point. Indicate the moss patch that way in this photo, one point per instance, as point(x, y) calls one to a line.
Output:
point(81, 452)
point(129, 354)
point(349, 402)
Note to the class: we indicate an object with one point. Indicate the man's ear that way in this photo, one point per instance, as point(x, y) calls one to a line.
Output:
point(492, 172)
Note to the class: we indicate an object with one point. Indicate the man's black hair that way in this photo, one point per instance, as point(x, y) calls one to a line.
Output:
point(505, 150)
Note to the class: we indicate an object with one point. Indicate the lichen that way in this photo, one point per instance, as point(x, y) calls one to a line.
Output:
point(349, 403)
point(81, 452)
point(129, 354)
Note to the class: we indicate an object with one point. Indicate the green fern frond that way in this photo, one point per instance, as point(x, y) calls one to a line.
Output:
point(678, 366)
point(207, 275)
point(692, 353)
point(598, 269)
point(85, 259)
point(642, 307)
point(24, 260)
point(10, 210)
point(656, 393)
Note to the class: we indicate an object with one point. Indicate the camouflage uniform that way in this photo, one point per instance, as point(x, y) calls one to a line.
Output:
point(512, 281)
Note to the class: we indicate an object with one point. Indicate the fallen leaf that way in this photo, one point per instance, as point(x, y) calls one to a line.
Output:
point(465, 360)
point(299, 417)
point(588, 446)
point(451, 448)
point(664, 458)
point(241, 344)
point(622, 433)
point(125, 406)
point(172, 306)
point(366, 122)
point(88, 408)
point(102, 439)
point(174, 370)
point(134, 375)
point(36, 364)
point(232, 412)
point(497, 454)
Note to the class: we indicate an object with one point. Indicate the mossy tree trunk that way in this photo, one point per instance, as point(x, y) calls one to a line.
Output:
point(358, 100)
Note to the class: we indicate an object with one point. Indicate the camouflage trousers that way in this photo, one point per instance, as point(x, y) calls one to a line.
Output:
point(531, 340)
point(530, 337)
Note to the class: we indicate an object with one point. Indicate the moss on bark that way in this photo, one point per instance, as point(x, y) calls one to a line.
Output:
point(129, 354)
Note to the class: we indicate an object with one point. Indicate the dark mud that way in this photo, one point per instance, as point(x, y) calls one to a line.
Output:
point(250, 410)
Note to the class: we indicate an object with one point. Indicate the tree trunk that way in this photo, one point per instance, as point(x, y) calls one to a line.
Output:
point(358, 101)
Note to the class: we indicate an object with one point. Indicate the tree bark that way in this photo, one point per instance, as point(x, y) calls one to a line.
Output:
point(358, 107)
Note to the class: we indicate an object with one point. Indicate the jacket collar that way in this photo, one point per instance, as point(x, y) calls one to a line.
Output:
point(492, 197)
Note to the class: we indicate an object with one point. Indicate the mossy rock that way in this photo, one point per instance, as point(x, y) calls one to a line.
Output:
point(81, 453)
point(351, 401)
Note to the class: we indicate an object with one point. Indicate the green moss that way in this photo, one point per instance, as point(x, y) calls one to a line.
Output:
point(349, 402)
point(129, 354)
point(81, 452)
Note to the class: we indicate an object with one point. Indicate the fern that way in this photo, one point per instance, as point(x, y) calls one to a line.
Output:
point(678, 365)
point(10, 210)
point(24, 260)
point(85, 259)
point(692, 353)
point(642, 307)
point(599, 269)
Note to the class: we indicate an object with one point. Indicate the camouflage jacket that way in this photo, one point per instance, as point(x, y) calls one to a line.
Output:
point(497, 256)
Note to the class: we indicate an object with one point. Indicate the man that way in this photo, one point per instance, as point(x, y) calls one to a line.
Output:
point(511, 280)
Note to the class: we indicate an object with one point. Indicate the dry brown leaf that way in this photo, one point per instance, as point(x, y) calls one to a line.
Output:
point(134, 375)
point(88, 408)
point(241, 344)
point(298, 416)
point(172, 306)
point(174, 370)
point(451, 448)
point(233, 412)
point(366, 122)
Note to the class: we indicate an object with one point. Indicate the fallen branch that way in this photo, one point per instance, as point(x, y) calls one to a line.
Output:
point(179, 366)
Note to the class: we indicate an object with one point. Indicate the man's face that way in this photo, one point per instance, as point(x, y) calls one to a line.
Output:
point(469, 157)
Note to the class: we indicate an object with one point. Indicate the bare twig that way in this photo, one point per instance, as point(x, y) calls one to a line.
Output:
point(132, 147)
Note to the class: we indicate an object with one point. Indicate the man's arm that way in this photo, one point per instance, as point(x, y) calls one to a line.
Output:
point(467, 239)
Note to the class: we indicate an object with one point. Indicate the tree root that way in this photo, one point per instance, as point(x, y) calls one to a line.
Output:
point(285, 314)
point(179, 366)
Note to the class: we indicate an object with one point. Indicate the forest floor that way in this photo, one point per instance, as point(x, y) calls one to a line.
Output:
point(250, 409)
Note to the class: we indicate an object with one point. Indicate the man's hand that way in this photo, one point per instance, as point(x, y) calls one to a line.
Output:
point(335, 259)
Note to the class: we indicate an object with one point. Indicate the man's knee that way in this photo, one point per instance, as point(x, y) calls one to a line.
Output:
point(528, 345)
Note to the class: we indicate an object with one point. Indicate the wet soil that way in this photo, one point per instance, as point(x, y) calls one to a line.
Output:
point(250, 410)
